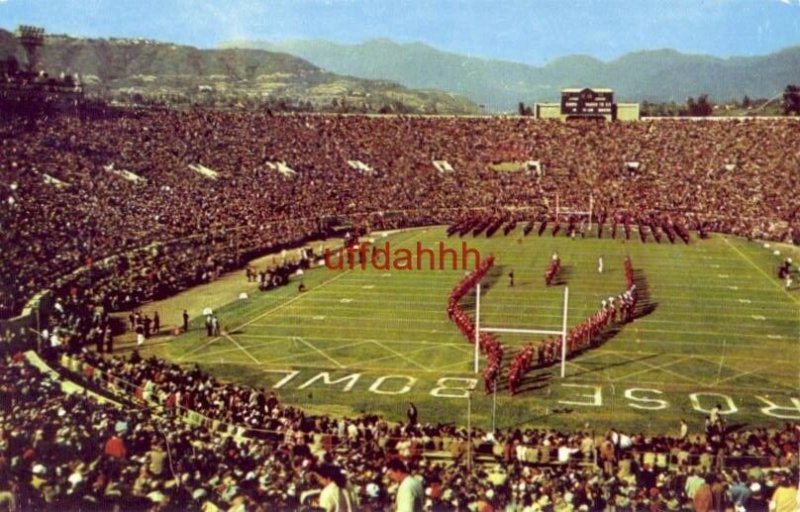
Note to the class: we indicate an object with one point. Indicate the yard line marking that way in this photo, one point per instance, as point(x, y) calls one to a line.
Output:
point(411, 352)
point(226, 350)
point(758, 317)
point(196, 349)
point(721, 361)
point(458, 363)
point(368, 286)
point(745, 301)
point(662, 367)
point(262, 315)
point(346, 300)
point(649, 328)
point(292, 356)
point(459, 344)
point(733, 288)
point(742, 374)
point(323, 354)
point(691, 356)
point(723, 276)
point(652, 367)
point(226, 335)
point(318, 317)
point(760, 270)
point(376, 342)
point(291, 301)
point(774, 336)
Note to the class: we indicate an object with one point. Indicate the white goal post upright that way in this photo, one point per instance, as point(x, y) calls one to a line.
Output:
point(562, 332)
point(566, 211)
point(477, 326)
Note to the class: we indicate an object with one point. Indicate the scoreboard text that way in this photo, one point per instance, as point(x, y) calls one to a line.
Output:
point(587, 102)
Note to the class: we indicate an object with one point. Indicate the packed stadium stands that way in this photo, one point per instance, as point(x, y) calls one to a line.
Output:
point(104, 243)
point(684, 178)
point(145, 450)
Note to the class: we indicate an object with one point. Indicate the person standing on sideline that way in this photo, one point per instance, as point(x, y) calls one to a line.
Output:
point(600, 265)
point(139, 335)
point(156, 323)
point(511, 278)
point(185, 321)
point(215, 325)
point(207, 312)
point(411, 413)
point(410, 494)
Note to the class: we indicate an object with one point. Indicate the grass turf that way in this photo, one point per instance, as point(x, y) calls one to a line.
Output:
point(721, 329)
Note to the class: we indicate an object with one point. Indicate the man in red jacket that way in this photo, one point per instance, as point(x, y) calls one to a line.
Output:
point(115, 447)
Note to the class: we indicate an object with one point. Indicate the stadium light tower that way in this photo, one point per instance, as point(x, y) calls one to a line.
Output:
point(31, 38)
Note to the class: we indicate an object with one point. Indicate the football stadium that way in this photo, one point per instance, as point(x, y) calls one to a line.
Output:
point(225, 309)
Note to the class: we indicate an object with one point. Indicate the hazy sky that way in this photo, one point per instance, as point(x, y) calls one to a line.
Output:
point(531, 31)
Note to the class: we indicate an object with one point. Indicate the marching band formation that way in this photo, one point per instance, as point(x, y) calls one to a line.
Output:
point(614, 310)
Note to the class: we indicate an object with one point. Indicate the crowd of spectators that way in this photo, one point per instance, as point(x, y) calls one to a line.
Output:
point(733, 177)
point(104, 243)
point(71, 452)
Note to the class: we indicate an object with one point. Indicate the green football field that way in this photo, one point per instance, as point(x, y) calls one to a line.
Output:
point(719, 328)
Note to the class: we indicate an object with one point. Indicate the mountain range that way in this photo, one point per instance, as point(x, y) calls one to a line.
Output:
point(650, 75)
point(150, 68)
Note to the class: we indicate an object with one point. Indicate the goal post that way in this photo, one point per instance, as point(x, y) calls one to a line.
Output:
point(562, 332)
point(573, 211)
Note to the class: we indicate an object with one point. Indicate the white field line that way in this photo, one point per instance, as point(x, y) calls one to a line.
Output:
point(538, 289)
point(266, 345)
point(292, 356)
point(624, 353)
point(378, 343)
point(421, 349)
point(458, 363)
point(227, 336)
point(772, 280)
point(323, 354)
point(454, 331)
point(262, 315)
point(742, 374)
point(675, 301)
point(659, 367)
point(199, 348)
point(662, 367)
point(463, 344)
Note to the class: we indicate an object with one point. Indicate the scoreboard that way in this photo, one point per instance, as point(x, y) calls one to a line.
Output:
point(587, 102)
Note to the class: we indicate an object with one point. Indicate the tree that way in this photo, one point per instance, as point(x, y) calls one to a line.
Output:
point(699, 108)
point(746, 103)
point(524, 110)
point(791, 100)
